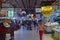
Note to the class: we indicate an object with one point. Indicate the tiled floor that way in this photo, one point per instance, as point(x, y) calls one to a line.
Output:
point(29, 35)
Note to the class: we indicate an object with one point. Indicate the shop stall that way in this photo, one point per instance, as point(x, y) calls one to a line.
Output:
point(57, 33)
point(50, 25)
point(57, 30)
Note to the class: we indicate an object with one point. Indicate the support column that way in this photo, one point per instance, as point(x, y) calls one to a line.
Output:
point(0, 4)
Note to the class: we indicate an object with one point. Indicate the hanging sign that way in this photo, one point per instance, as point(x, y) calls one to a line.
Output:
point(38, 10)
point(46, 10)
point(47, 13)
point(10, 12)
point(3, 13)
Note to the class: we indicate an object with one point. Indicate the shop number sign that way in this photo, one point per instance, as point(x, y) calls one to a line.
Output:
point(46, 10)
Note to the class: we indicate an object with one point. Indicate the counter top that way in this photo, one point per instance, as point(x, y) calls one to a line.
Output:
point(56, 29)
point(51, 23)
point(47, 24)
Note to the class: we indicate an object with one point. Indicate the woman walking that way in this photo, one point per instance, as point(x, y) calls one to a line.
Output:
point(41, 29)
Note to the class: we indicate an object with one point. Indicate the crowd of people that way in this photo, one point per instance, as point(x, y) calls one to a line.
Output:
point(27, 24)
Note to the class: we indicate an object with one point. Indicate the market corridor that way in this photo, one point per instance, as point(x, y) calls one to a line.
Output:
point(28, 35)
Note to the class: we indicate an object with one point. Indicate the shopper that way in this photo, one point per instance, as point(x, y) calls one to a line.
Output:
point(12, 30)
point(29, 25)
point(2, 31)
point(41, 29)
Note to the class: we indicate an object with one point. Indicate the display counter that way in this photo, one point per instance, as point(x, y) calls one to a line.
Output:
point(48, 28)
point(50, 25)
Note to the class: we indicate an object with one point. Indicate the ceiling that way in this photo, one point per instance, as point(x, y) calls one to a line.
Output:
point(28, 4)
point(23, 3)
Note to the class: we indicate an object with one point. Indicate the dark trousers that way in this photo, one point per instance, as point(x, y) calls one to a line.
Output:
point(12, 34)
point(40, 34)
point(2, 35)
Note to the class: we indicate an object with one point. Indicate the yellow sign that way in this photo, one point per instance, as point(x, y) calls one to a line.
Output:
point(46, 8)
point(47, 13)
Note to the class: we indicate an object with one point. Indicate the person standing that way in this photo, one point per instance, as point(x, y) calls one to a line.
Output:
point(41, 29)
point(12, 30)
point(2, 31)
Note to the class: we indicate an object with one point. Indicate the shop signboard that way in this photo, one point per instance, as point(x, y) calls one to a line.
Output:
point(3, 13)
point(38, 16)
point(18, 10)
point(38, 10)
point(10, 12)
point(46, 10)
